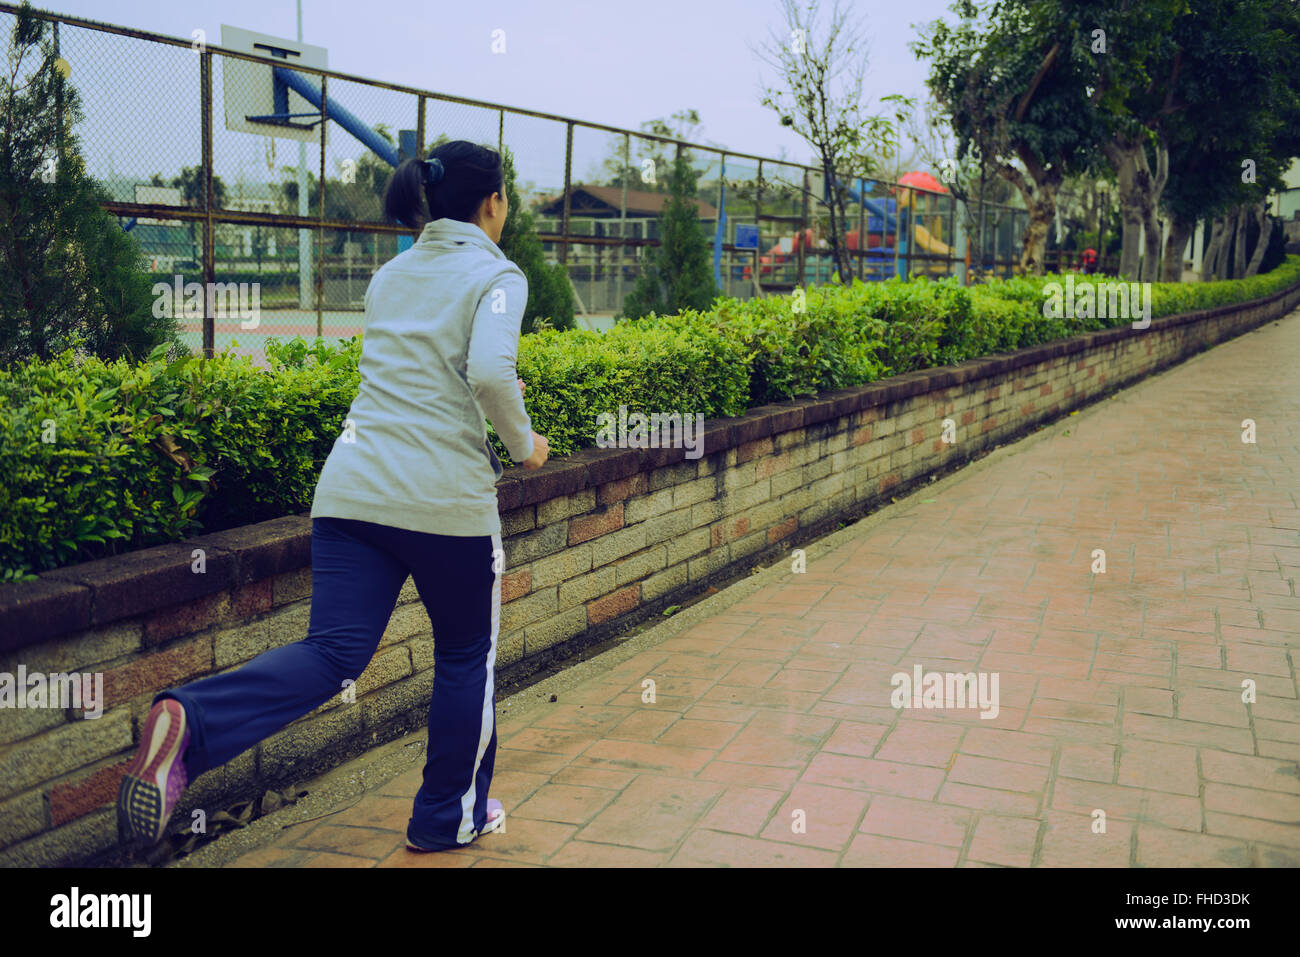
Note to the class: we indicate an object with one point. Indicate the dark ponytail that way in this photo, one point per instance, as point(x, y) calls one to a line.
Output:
point(454, 188)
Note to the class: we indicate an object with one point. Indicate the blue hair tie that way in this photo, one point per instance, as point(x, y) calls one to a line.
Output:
point(433, 171)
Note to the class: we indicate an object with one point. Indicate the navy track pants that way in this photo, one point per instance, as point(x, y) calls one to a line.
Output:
point(358, 569)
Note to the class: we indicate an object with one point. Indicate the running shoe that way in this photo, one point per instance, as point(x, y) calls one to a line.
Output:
point(496, 822)
point(156, 779)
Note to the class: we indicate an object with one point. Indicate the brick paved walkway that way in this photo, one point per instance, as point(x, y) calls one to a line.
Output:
point(1119, 692)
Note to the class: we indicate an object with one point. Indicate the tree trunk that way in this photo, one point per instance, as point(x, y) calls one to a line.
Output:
point(1130, 212)
point(1139, 196)
point(1042, 211)
point(1092, 210)
point(1151, 208)
point(839, 228)
point(1213, 249)
point(1179, 231)
point(1040, 194)
point(1151, 249)
point(1130, 235)
point(1223, 263)
point(843, 262)
point(1265, 231)
point(1239, 249)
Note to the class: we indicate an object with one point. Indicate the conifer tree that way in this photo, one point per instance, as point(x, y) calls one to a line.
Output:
point(68, 273)
point(550, 297)
point(678, 273)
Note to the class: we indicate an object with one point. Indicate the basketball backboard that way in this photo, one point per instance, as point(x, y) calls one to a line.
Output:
point(250, 90)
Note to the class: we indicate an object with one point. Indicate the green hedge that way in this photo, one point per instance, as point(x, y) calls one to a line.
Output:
point(101, 457)
point(574, 375)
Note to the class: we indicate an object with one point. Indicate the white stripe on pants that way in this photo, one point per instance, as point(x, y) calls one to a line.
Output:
point(467, 830)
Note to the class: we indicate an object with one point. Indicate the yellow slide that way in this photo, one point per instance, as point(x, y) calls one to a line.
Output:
point(930, 244)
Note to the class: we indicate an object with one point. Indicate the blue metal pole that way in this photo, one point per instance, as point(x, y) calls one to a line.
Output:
point(311, 93)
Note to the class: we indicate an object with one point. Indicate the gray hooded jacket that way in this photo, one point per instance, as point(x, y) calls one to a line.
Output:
point(441, 341)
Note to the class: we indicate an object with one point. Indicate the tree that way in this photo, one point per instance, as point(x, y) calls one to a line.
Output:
point(678, 273)
point(1206, 83)
point(1013, 86)
point(550, 297)
point(1138, 63)
point(190, 183)
point(1237, 98)
point(821, 100)
point(68, 273)
point(355, 194)
point(648, 159)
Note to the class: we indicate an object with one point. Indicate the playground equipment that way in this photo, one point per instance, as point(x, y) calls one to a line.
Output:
point(884, 249)
point(926, 238)
point(926, 186)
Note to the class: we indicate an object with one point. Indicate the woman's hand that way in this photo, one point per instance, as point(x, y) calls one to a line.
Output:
point(541, 448)
point(541, 451)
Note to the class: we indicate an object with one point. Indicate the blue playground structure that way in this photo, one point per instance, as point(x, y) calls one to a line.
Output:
point(882, 251)
point(888, 227)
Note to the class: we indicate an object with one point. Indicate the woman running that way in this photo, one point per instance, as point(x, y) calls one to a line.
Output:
point(409, 488)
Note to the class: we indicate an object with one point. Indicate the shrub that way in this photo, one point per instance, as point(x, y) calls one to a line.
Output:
point(100, 457)
point(788, 353)
point(275, 430)
point(97, 456)
point(680, 363)
point(90, 462)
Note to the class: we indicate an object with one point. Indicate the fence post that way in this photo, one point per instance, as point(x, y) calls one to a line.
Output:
point(898, 223)
point(320, 212)
point(961, 234)
point(954, 255)
point(862, 227)
point(568, 184)
point(913, 210)
point(758, 222)
point(419, 129)
point(58, 98)
point(622, 222)
point(803, 226)
point(722, 169)
point(209, 245)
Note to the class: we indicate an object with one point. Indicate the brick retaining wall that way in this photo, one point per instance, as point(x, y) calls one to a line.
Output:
point(594, 543)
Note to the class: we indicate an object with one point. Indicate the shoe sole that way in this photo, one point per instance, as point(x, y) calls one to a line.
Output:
point(141, 815)
point(497, 823)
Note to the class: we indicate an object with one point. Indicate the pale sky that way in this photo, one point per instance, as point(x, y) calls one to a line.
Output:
point(618, 62)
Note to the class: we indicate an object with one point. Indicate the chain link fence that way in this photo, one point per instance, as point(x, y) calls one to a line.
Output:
point(294, 218)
